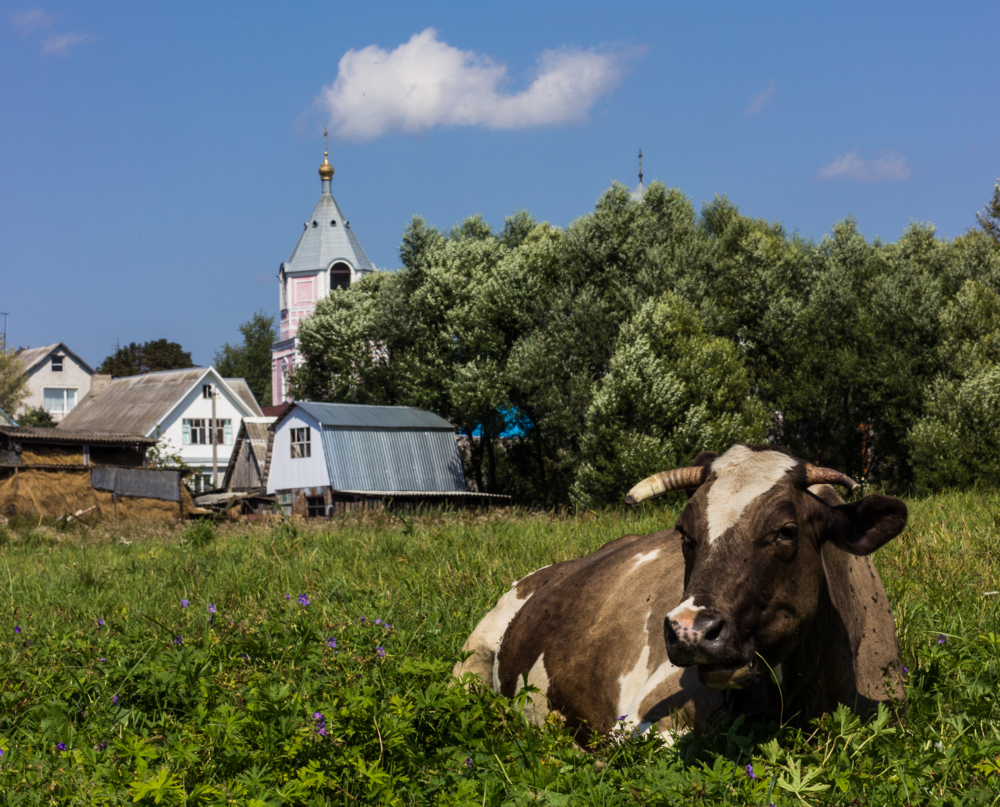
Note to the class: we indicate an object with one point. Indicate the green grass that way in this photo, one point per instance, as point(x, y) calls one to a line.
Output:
point(160, 705)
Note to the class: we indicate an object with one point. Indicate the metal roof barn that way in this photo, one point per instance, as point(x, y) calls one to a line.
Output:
point(387, 448)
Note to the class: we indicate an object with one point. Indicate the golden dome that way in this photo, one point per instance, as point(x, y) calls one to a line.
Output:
point(325, 170)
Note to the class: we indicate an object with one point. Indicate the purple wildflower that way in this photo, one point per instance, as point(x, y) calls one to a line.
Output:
point(362, 620)
point(621, 718)
point(750, 772)
point(468, 763)
point(103, 659)
point(940, 638)
point(178, 641)
point(114, 700)
point(320, 723)
point(17, 629)
point(288, 596)
point(211, 608)
point(303, 600)
point(185, 603)
point(331, 643)
point(61, 746)
point(1, 752)
point(380, 651)
point(101, 747)
point(906, 671)
point(378, 621)
point(100, 622)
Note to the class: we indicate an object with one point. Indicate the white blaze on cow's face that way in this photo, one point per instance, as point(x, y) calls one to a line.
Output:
point(741, 475)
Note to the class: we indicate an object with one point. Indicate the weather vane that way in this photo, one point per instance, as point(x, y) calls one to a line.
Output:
point(640, 165)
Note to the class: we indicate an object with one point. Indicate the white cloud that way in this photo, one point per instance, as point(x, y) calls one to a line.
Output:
point(34, 19)
point(426, 83)
point(60, 44)
point(891, 167)
point(758, 102)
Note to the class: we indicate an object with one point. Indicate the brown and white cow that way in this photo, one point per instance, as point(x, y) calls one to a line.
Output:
point(760, 601)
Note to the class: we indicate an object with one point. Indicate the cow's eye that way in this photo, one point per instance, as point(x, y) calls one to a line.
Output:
point(787, 534)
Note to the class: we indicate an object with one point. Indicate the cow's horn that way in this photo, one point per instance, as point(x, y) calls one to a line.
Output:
point(828, 476)
point(660, 483)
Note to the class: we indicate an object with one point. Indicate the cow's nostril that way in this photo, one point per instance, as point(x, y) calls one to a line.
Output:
point(671, 635)
point(714, 632)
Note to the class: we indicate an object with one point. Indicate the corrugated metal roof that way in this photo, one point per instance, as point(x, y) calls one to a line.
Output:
point(360, 416)
point(392, 459)
point(38, 434)
point(322, 242)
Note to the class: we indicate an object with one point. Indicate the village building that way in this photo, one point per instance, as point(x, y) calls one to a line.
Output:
point(75, 474)
point(327, 457)
point(248, 464)
point(58, 379)
point(328, 255)
point(176, 408)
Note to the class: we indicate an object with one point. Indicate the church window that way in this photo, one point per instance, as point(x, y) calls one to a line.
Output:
point(301, 446)
point(340, 276)
point(333, 222)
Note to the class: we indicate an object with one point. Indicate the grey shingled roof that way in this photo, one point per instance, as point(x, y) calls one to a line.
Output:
point(138, 403)
point(241, 388)
point(360, 416)
point(320, 246)
point(31, 357)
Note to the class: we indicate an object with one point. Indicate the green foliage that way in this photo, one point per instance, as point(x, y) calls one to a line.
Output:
point(149, 357)
point(251, 360)
point(160, 703)
point(671, 391)
point(520, 339)
point(36, 417)
point(989, 218)
point(13, 382)
point(199, 534)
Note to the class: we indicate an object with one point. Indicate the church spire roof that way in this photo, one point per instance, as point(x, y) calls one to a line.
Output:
point(640, 190)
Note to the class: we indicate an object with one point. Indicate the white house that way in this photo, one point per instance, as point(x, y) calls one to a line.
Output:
point(327, 457)
point(176, 407)
point(58, 379)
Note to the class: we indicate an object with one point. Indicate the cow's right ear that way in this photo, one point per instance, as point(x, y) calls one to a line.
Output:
point(705, 458)
point(865, 525)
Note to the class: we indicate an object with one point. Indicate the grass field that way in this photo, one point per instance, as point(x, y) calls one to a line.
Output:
point(309, 664)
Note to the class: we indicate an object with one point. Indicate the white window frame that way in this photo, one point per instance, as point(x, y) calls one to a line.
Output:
point(199, 427)
point(300, 440)
point(68, 396)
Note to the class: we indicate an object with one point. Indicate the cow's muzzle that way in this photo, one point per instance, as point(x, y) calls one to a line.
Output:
point(707, 639)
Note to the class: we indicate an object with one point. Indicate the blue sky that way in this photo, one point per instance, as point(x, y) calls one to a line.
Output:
point(157, 162)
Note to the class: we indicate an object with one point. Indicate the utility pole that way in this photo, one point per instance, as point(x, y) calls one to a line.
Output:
point(215, 441)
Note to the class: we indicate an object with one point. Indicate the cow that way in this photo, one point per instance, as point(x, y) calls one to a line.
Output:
point(762, 601)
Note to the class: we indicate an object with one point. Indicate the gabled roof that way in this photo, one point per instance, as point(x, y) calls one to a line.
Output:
point(241, 388)
point(361, 416)
point(31, 357)
point(324, 242)
point(140, 403)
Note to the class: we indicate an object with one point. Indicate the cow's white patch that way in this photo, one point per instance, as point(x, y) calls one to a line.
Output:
point(490, 630)
point(630, 684)
point(537, 707)
point(643, 557)
point(741, 475)
point(650, 684)
point(686, 611)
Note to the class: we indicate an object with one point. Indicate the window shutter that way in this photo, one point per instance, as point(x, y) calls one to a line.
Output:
point(187, 432)
point(229, 431)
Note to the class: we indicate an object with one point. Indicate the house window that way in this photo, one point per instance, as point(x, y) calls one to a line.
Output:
point(196, 431)
point(301, 447)
point(58, 401)
point(285, 503)
point(57, 364)
point(315, 506)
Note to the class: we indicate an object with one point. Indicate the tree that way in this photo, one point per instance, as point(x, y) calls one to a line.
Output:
point(251, 360)
point(150, 357)
point(989, 219)
point(36, 417)
point(13, 382)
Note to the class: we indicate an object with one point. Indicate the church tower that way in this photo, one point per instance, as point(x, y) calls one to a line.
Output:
point(327, 256)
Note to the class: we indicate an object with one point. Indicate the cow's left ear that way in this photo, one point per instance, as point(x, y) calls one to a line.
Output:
point(864, 526)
